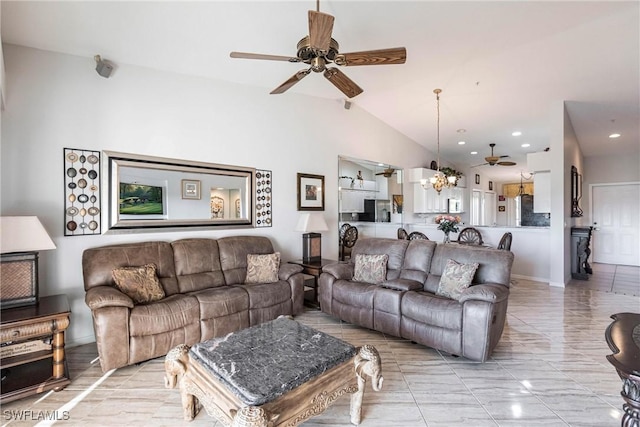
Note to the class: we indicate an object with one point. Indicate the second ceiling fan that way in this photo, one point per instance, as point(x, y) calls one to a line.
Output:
point(495, 160)
point(319, 49)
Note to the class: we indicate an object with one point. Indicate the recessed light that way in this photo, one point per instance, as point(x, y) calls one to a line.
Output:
point(614, 135)
point(526, 145)
point(474, 152)
point(380, 164)
point(516, 133)
point(461, 142)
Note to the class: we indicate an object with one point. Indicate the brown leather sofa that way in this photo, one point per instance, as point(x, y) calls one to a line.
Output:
point(205, 296)
point(406, 304)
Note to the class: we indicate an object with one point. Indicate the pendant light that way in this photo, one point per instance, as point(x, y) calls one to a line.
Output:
point(439, 180)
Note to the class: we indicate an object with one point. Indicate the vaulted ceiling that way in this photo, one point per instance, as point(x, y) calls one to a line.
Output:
point(501, 65)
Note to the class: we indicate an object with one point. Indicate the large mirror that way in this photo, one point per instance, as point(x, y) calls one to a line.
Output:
point(147, 192)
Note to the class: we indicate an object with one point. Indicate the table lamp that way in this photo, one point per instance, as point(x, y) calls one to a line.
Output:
point(21, 237)
point(310, 224)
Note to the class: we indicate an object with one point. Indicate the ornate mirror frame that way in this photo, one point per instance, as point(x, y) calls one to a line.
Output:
point(156, 193)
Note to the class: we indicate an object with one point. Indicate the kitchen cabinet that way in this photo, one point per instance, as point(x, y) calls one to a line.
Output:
point(428, 200)
point(352, 199)
point(382, 185)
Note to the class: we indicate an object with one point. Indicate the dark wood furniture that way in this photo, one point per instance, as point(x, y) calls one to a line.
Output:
point(470, 236)
point(313, 269)
point(36, 371)
point(623, 338)
point(505, 242)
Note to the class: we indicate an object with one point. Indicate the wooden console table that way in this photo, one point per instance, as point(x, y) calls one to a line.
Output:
point(623, 338)
point(36, 371)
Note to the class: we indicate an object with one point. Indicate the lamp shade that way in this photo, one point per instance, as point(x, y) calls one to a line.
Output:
point(23, 234)
point(311, 222)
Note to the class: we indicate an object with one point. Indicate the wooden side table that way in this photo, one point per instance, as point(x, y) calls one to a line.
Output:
point(314, 269)
point(36, 371)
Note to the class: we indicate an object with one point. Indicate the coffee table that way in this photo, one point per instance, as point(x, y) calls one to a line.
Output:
point(280, 373)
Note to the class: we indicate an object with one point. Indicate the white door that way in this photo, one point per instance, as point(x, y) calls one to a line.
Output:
point(489, 208)
point(476, 209)
point(617, 224)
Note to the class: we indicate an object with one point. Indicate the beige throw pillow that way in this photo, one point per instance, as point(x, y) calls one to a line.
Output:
point(370, 268)
point(141, 283)
point(455, 278)
point(262, 268)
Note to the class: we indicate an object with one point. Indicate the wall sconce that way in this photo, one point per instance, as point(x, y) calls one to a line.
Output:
point(21, 237)
point(310, 224)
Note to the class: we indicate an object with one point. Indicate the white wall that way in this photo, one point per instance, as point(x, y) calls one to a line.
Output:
point(55, 101)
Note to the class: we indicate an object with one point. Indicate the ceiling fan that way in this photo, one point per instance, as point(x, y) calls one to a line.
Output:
point(319, 49)
point(495, 160)
point(387, 172)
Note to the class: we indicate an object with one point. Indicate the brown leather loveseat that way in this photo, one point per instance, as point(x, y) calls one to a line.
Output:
point(406, 304)
point(204, 295)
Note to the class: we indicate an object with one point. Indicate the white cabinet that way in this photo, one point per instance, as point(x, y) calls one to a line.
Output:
point(428, 200)
point(382, 185)
point(542, 192)
point(456, 200)
point(352, 201)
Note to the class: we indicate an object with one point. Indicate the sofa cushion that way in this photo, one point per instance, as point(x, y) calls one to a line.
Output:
point(394, 248)
point(197, 264)
point(139, 283)
point(355, 294)
point(262, 295)
point(170, 314)
point(233, 255)
point(403, 285)
point(370, 268)
point(455, 278)
point(424, 307)
point(262, 268)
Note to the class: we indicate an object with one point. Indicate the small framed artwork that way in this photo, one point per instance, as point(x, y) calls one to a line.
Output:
point(490, 185)
point(501, 209)
point(191, 189)
point(397, 203)
point(310, 192)
point(477, 178)
point(501, 198)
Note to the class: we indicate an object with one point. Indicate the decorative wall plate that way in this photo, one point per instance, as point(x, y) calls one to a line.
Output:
point(82, 198)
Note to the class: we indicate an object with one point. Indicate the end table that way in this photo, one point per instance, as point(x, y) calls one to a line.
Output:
point(314, 269)
point(43, 369)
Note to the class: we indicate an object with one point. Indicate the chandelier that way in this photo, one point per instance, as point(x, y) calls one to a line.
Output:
point(439, 180)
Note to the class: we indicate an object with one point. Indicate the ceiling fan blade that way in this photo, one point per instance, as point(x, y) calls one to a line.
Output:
point(481, 164)
point(342, 82)
point(320, 28)
point(506, 155)
point(397, 55)
point(507, 163)
point(290, 82)
point(245, 55)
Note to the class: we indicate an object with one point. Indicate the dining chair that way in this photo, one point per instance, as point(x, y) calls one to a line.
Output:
point(402, 234)
point(470, 236)
point(416, 235)
point(348, 238)
point(505, 242)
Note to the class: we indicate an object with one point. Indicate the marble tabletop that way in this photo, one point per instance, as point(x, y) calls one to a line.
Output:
point(263, 362)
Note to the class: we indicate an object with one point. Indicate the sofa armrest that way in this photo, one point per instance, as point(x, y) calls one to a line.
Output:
point(288, 270)
point(402, 285)
point(106, 296)
point(488, 292)
point(339, 270)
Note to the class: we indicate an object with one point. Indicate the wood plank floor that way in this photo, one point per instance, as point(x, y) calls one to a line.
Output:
point(549, 369)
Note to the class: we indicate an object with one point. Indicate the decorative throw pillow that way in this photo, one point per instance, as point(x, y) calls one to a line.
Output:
point(262, 268)
point(141, 284)
point(370, 268)
point(456, 278)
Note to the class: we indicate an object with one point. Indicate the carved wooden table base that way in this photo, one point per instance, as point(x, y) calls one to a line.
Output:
point(291, 409)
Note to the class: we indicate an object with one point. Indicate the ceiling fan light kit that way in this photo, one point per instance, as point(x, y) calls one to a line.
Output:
point(319, 49)
point(495, 160)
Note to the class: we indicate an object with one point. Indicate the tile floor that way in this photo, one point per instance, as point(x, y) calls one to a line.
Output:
point(549, 369)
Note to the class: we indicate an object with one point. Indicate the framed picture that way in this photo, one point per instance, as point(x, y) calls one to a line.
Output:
point(191, 189)
point(490, 185)
point(501, 198)
point(310, 192)
point(397, 203)
point(477, 178)
point(501, 209)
